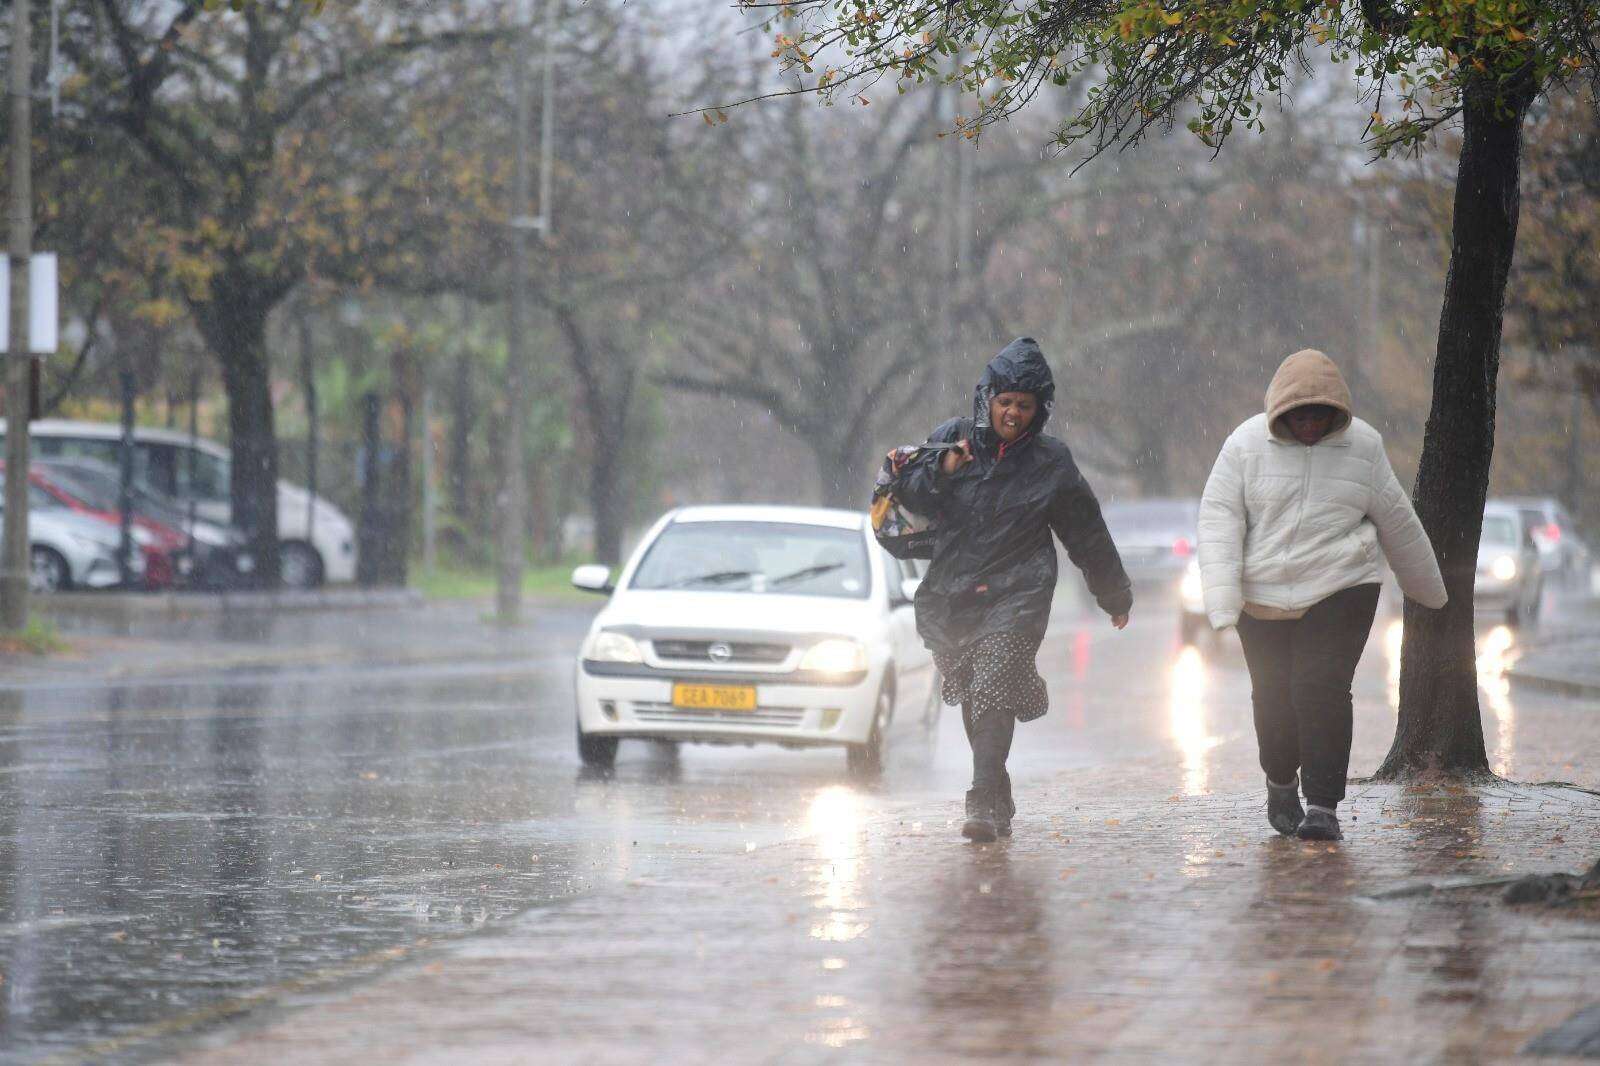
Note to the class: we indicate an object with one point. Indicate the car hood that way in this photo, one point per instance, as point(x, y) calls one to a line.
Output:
point(1488, 553)
point(734, 612)
point(46, 525)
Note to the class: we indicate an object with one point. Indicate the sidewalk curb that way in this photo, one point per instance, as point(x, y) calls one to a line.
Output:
point(135, 605)
point(1561, 686)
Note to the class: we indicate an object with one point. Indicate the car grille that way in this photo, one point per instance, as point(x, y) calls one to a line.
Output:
point(785, 717)
point(739, 652)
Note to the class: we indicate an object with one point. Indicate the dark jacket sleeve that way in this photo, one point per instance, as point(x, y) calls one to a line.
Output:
point(1075, 517)
point(921, 484)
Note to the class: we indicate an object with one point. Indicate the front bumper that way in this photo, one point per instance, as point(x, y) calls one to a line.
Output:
point(785, 712)
point(1491, 595)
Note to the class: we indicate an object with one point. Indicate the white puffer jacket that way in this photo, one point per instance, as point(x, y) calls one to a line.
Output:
point(1285, 525)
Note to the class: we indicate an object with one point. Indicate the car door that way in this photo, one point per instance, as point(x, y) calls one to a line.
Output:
point(913, 661)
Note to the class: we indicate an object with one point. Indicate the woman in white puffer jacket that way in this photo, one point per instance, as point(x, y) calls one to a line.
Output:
point(1300, 502)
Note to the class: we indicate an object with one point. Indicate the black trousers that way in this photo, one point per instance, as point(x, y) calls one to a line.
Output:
point(990, 738)
point(1300, 674)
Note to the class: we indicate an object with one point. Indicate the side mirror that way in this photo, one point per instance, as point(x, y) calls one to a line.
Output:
point(909, 587)
point(593, 578)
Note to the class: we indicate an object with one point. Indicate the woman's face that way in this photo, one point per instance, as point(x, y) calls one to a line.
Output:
point(1309, 424)
point(1011, 413)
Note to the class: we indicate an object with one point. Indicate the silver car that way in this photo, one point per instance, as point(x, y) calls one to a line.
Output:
point(1509, 579)
point(67, 550)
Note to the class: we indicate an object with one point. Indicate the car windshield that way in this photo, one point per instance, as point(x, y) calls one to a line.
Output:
point(1500, 529)
point(1146, 517)
point(99, 487)
point(756, 557)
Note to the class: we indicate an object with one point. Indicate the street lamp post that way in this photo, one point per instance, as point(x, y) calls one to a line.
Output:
point(14, 537)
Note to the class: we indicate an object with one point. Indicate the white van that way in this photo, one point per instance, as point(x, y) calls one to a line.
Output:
point(317, 542)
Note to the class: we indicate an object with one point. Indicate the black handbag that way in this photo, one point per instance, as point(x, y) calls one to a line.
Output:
point(903, 533)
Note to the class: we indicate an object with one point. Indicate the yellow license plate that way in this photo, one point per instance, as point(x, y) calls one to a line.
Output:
point(715, 697)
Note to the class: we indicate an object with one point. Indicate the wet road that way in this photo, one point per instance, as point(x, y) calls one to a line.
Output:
point(283, 830)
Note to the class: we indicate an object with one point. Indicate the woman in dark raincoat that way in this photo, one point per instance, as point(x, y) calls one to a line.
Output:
point(985, 602)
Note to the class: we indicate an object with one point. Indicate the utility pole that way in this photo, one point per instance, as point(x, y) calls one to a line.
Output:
point(514, 481)
point(14, 562)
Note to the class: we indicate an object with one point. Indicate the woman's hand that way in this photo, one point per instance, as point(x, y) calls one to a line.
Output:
point(957, 457)
point(1120, 621)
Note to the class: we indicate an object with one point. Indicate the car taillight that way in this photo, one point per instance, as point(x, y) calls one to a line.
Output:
point(1551, 532)
point(1182, 548)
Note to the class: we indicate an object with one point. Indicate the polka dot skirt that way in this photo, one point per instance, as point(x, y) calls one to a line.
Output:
point(995, 675)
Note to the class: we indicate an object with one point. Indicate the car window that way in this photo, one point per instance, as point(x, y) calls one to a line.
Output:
point(40, 500)
point(756, 557)
point(1500, 529)
point(200, 474)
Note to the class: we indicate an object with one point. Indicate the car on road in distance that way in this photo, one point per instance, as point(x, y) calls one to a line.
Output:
point(1509, 579)
point(316, 542)
point(67, 550)
point(745, 624)
point(1156, 537)
point(1563, 555)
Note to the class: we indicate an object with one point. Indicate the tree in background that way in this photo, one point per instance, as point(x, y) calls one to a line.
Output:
point(847, 285)
point(1150, 62)
point(226, 111)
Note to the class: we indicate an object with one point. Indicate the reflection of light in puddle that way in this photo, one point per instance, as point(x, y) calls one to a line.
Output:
point(1496, 652)
point(1494, 658)
point(1187, 719)
point(1393, 637)
point(835, 820)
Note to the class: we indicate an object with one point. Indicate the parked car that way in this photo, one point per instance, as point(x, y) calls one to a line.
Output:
point(68, 550)
point(194, 554)
point(1509, 578)
point(746, 624)
point(1563, 554)
point(1155, 537)
point(317, 542)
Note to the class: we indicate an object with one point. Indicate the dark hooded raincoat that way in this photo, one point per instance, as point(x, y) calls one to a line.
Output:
point(993, 570)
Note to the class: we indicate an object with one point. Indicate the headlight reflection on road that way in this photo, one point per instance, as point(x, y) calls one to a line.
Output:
point(1496, 652)
point(835, 820)
point(1494, 658)
point(1187, 719)
point(1392, 639)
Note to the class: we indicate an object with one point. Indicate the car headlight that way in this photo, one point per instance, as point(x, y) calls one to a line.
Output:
point(607, 646)
point(835, 656)
point(1503, 569)
point(1190, 588)
point(209, 535)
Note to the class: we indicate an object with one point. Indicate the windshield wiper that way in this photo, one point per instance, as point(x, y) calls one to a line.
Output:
point(810, 571)
point(716, 577)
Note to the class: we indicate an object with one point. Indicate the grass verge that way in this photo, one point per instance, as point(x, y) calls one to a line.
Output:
point(552, 584)
point(38, 637)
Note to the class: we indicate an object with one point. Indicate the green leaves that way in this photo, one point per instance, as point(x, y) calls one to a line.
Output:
point(1153, 59)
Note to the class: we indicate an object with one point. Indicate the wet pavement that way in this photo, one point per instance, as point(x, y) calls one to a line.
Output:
point(366, 834)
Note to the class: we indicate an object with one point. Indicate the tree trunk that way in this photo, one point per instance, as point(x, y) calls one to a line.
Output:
point(236, 332)
point(846, 477)
point(1439, 727)
point(607, 502)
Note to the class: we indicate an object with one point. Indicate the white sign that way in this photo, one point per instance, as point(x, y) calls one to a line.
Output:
point(43, 336)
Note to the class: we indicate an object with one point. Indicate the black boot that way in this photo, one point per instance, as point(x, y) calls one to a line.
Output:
point(1005, 807)
point(1320, 824)
point(981, 827)
point(1283, 807)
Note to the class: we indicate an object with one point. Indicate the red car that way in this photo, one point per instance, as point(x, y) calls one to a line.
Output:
point(160, 543)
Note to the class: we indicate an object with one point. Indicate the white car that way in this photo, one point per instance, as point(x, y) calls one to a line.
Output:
point(1509, 579)
point(67, 550)
point(745, 624)
point(317, 543)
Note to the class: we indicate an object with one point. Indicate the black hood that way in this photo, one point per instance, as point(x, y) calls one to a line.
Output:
point(1020, 367)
